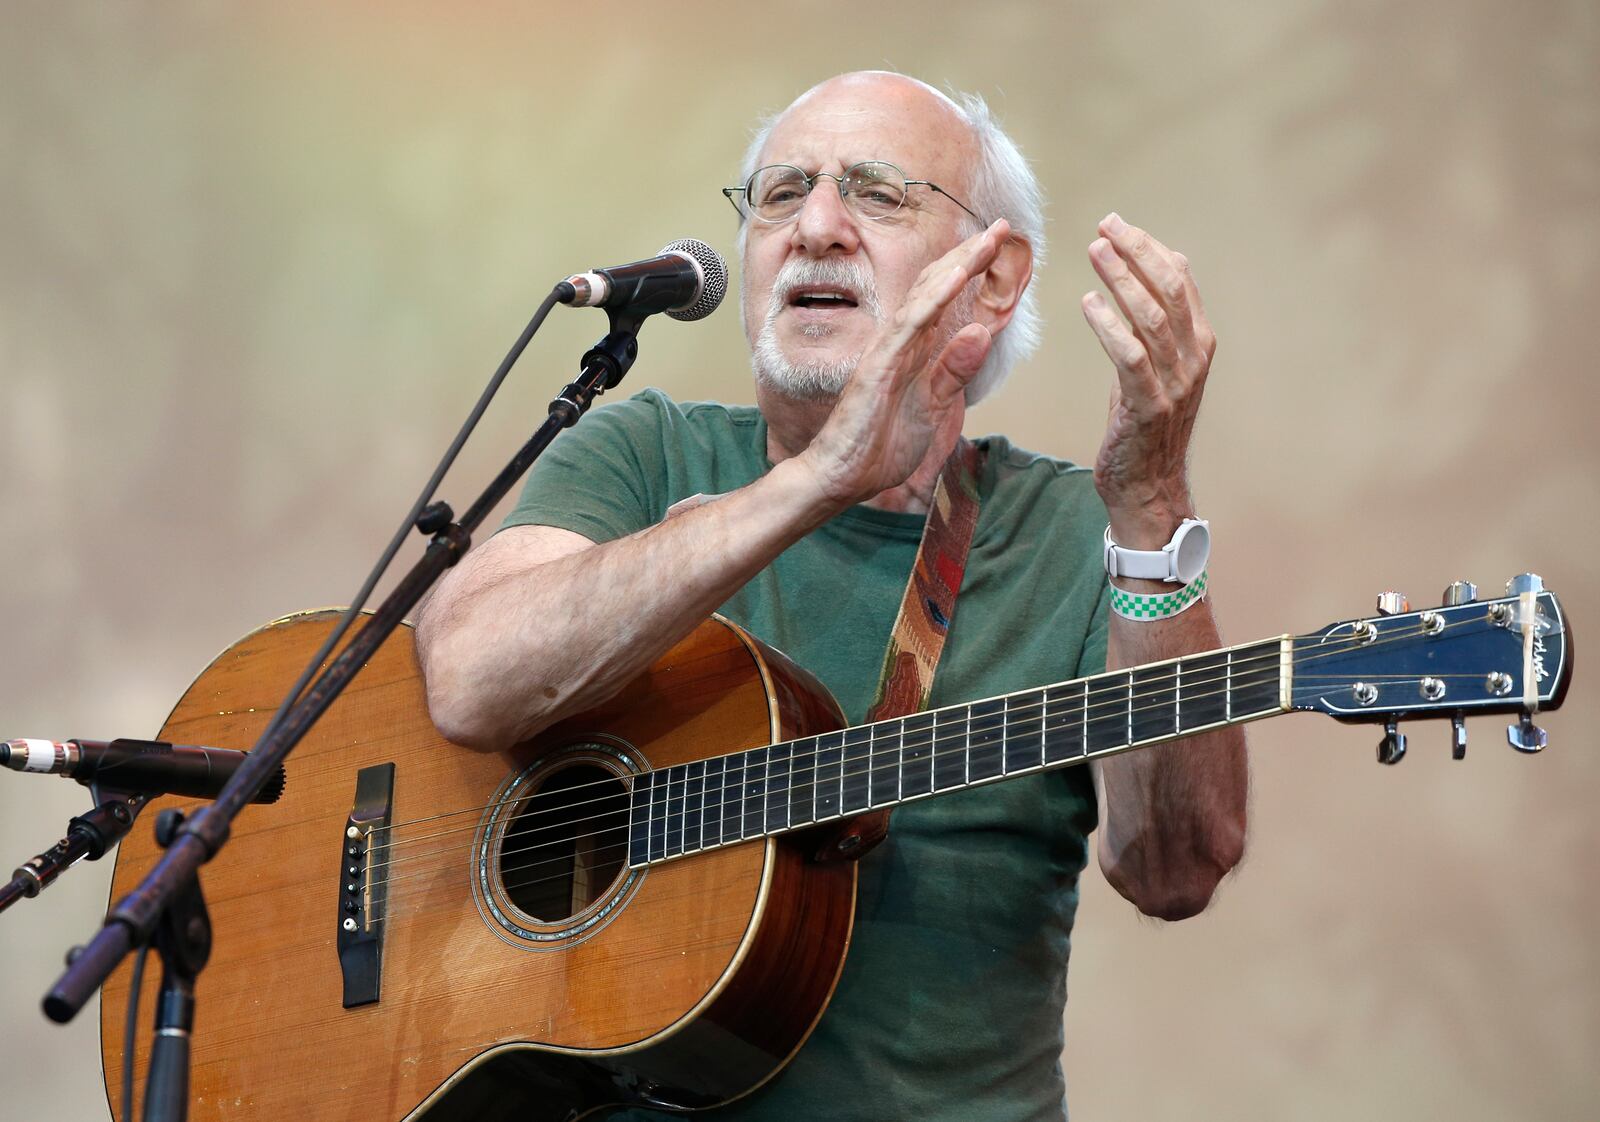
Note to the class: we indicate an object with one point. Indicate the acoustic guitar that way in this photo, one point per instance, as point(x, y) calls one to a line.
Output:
point(630, 908)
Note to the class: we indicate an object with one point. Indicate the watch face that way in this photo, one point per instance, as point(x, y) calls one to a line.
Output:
point(1193, 550)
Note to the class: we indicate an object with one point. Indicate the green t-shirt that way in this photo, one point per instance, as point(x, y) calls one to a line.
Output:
point(950, 1005)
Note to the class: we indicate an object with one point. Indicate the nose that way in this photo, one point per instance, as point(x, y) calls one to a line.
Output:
point(825, 227)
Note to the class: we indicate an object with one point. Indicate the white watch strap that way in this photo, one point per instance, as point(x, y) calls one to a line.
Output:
point(1171, 563)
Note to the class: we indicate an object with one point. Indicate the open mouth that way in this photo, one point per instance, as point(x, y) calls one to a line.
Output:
point(823, 298)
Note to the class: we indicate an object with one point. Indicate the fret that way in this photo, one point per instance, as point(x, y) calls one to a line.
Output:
point(778, 787)
point(916, 755)
point(855, 784)
point(830, 769)
point(675, 778)
point(639, 820)
point(658, 815)
point(1106, 716)
point(949, 749)
point(694, 786)
point(1204, 699)
point(1227, 686)
point(802, 780)
point(733, 797)
point(711, 810)
point(1256, 670)
point(1019, 732)
point(754, 796)
point(1062, 726)
point(1155, 704)
point(986, 739)
point(1177, 696)
point(884, 757)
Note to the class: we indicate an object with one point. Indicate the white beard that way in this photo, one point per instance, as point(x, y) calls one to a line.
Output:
point(818, 378)
point(823, 379)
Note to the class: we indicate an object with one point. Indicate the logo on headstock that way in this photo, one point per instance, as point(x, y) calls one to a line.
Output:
point(1538, 658)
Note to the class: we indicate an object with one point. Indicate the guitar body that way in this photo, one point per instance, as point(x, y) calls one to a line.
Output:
point(514, 981)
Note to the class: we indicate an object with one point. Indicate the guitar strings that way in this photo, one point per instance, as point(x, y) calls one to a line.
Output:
point(1096, 684)
point(1024, 726)
point(723, 819)
point(1026, 720)
point(1114, 696)
point(1046, 708)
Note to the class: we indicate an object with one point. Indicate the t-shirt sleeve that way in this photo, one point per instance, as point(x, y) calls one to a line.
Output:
point(604, 478)
point(1092, 659)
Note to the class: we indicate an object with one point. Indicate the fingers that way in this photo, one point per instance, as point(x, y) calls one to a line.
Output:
point(1154, 323)
point(1153, 279)
point(941, 281)
point(1204, 336)
point(960, 360)
point(1136, 376)
point(903, 349)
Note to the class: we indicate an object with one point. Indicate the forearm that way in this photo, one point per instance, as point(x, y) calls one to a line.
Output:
point(513, 642)
point(1173, 816)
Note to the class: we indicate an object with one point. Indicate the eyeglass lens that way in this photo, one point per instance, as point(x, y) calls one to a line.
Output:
point(872, 190)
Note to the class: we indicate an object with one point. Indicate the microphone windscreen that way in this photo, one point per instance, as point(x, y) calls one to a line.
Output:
point(713, 273)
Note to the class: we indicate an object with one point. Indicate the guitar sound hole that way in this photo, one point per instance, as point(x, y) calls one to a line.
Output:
point(567, 843)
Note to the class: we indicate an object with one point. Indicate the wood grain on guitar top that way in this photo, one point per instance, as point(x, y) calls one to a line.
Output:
point(698, 988)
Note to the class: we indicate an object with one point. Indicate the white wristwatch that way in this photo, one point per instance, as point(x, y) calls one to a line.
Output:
point(1178, 562)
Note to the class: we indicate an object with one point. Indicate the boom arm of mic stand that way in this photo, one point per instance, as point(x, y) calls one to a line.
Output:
point(135, 917)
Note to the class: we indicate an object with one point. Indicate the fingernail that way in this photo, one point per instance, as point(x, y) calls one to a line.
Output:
point(1113, 223)
point(1102, 250)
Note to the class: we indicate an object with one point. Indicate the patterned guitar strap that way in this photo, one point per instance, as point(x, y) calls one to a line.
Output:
point(906, 679)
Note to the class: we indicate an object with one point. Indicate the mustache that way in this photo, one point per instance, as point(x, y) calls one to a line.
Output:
point(847, 273)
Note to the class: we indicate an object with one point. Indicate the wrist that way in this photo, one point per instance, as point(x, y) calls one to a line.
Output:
point(1149, 525)
point(799, 485)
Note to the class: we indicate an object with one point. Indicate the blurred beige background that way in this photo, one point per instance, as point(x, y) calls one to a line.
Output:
point(257, 262)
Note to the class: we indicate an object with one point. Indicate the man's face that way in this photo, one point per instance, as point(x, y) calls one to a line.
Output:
point(803, 343)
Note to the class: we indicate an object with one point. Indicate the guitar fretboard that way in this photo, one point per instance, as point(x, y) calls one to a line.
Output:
point(688, 808)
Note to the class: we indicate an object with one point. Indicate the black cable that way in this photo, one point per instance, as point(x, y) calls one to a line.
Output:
point(559, 294)
point(129, 1024)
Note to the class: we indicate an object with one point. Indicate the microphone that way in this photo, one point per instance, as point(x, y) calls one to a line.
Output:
point(151, 767)
point(687, 280)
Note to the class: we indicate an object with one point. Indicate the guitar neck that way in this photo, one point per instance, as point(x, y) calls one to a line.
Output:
point(776, 788)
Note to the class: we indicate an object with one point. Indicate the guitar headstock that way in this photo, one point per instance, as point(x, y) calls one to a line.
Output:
point(1469, 657)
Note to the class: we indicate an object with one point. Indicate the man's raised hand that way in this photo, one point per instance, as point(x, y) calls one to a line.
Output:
point(902, 394)
point(1162, 355)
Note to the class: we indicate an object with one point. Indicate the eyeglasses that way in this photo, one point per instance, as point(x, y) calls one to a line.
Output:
point(872, 190)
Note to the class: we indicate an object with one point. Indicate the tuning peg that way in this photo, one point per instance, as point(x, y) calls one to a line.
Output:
point(1525, 736)
point(1524, 582)
point(1393, 745)
point(1392, 603)
point(1460, 592)
point(1458, 736)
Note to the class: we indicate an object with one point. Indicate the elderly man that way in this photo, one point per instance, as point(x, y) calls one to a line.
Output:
point(888, 241)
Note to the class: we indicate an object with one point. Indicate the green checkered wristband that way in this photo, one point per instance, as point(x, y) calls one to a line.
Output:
point(1133, 605)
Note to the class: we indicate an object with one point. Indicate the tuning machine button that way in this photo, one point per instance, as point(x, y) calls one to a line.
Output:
point(1525, 736)
point(1392, 748)
point(1458, 735)
point(1392, 603)
point(1524, 582)
point(1460, 592)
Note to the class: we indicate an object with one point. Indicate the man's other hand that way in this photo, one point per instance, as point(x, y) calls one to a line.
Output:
point(1162, 355)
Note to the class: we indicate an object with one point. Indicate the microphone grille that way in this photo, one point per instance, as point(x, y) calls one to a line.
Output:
point(713, 275)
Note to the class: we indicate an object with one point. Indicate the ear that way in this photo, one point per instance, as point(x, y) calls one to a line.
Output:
point(1002, 285)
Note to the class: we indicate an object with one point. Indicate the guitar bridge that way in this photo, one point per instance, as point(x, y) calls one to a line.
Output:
point(363, 883)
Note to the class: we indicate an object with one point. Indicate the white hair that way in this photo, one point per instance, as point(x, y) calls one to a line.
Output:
point(1002, 185)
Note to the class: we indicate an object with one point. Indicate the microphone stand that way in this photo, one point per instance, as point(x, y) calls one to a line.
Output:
point(173, 883)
